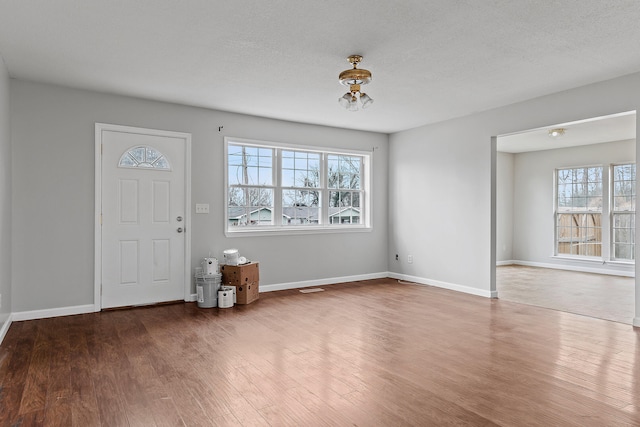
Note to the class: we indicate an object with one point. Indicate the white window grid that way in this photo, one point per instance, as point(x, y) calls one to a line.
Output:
point(623, 209)
point(278, 209)
point(578, 210)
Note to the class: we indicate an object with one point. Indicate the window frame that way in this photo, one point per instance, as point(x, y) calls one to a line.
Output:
point(324, 225)
point(557, 212)
point(613, 212)
point(607, 215)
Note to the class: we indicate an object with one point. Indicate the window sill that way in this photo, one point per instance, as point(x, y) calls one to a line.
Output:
point(594, 260)
point(294, 231)
point(621, 262)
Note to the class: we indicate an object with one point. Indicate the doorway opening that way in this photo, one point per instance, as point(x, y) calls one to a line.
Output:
point(565, 217)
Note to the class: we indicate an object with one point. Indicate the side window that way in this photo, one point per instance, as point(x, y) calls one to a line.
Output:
point(250, 193)
point(623, 214)
point(345, 193)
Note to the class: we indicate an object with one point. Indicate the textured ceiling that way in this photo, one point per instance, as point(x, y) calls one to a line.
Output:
point(431, 60)
point(616, 127)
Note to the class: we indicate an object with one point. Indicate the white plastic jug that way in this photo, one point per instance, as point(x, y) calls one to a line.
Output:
point(231, 256)
point(210, 266)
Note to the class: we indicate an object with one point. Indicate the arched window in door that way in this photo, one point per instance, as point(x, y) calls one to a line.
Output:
point(144, 157)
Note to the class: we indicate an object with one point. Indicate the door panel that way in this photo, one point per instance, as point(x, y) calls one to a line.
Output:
point(161, 202)
point(161, 260)
point(128, 262)
point(128, 205)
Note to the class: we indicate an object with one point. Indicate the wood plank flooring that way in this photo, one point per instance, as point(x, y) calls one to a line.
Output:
point(371, 353)
point(596, 295)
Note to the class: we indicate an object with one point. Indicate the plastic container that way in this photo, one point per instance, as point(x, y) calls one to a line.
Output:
point(231, 256)
point(225, 296)
point(207, 287)
point(210, 266)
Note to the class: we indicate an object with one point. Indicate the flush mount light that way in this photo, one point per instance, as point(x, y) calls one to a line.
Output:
point(557, 132)
point(354, 78)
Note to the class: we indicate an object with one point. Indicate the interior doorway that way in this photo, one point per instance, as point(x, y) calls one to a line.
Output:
point(565, 217)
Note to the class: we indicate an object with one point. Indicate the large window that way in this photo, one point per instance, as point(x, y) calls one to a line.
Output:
point(579, 211)
point(284, 187)
point(585, 225)
point(623, 210)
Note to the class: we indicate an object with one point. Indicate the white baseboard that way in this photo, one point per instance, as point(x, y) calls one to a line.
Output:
point(52, 312)
point(582, 269)
point(444, 285)
point(322, 282)
point(636, 322)
point(5, 327)
point(507, 262)
point(310, 283)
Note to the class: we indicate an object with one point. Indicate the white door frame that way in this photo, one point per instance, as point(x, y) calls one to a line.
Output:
point(100, 127)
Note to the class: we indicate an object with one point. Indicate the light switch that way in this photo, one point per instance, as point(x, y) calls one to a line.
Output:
point(202, 208)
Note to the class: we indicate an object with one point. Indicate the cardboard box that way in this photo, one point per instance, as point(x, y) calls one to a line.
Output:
point(248, 293)
point(246, 279)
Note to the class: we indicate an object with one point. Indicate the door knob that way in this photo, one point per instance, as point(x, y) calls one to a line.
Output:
point(179, 219)
point(179, 229)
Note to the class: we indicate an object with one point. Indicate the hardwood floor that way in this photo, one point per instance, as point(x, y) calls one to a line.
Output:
point(596, 295)
point(372, 353)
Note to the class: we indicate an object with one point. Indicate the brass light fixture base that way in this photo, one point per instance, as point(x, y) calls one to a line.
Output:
point(354, 60)
point(355, 76)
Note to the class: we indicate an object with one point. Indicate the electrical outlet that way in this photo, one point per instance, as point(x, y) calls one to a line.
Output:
point(410, 259)
point(202, 208)
point(397, 258)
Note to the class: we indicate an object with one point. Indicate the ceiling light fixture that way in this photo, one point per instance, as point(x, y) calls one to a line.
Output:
point(557, 132)
point(354, 78)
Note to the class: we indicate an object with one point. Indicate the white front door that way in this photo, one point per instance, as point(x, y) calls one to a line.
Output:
point(143, 216)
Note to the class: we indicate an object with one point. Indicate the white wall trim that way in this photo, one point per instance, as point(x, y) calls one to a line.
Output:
point(581, 269)
point(636, 322)
point(5, 327)
point(310, 283)
point(52, 312)
point(445, 285)
point(507, 262)
point(323, 282)
point(97, 224)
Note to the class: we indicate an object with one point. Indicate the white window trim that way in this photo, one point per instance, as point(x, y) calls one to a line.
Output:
point(604, 244)
point(612, 259)
point(606, 217)
point(325, 227)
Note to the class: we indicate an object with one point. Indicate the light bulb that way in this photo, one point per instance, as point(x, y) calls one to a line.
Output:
point(366, 100)
point(345, 100)
point(353, 104)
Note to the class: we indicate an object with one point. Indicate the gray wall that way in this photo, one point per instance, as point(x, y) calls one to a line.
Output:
point(53, 187)
point(504, 207)
point(439, 193)
point(5, 196)
point(441, 208)
point(533, 198)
